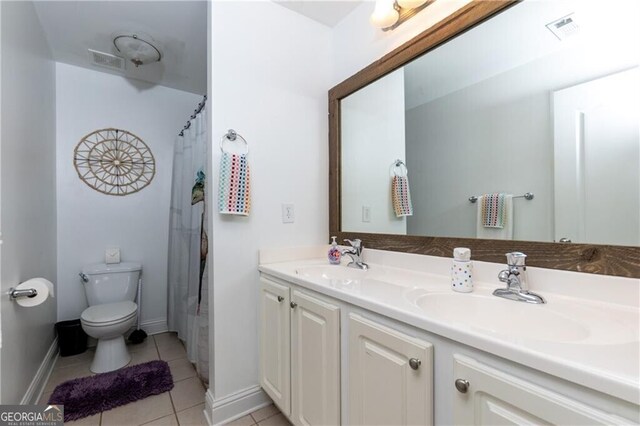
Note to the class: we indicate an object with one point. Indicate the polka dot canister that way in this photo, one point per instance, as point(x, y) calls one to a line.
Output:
point(462, 271)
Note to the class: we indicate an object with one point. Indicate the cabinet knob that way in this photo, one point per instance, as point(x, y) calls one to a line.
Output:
point(293, 305)
point(462, 385)
point(414, 363)
point(280, 298)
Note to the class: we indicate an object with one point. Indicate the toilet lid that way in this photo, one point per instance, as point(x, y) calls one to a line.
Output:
point(109, 312)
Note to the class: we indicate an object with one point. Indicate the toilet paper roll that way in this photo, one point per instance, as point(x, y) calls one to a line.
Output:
point(44, 288)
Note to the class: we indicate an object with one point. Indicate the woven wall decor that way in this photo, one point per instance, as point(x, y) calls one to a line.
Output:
point(114, 162)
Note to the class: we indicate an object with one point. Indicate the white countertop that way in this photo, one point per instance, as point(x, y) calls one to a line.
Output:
point(606, 358)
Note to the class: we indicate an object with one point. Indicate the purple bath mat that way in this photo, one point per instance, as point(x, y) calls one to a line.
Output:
point(90, 395)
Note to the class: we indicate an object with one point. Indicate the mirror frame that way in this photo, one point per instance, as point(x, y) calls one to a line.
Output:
point(621, 261)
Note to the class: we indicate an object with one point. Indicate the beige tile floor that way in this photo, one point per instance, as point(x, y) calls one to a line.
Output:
point(183, 405)
point(267, 416)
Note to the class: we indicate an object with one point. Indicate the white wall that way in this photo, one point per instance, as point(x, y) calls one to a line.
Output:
point(28, 191)
point(269, 83)
point(89, 221)
point(373, 137)
point(0, 200)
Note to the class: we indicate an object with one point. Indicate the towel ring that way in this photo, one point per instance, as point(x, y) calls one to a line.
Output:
point(232, 136)
point(399, 165)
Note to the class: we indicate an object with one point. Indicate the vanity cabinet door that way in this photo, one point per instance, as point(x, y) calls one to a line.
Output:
point(390, 376)
point(493, 397)
point(275, 365)
point(315, 361)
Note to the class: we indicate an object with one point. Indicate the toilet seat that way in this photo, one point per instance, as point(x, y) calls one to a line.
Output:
point(109, 313)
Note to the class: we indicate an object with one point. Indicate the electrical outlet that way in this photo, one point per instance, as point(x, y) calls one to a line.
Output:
point(366, 214)
point(288, 213)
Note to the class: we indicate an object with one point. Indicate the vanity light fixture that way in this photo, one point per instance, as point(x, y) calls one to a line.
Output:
point(384, 14)
point(389, 14)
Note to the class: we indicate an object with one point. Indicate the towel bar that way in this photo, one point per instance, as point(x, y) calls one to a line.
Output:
point(526, 196)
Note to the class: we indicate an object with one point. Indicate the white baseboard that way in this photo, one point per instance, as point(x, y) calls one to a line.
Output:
point(234, 406)
point(155, 326)
point(35, 389)
point(208, 407)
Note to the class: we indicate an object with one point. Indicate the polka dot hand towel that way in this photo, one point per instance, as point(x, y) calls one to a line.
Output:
point(233, 194)
point(401, 197)
point(494, 210)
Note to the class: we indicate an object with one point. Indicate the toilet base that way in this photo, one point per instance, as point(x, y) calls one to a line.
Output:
point(111, 354)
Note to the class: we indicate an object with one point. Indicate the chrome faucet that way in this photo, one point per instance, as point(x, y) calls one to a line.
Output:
point(515, 276)
point(355, 251)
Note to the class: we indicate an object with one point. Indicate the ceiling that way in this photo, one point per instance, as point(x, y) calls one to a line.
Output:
point(178, 27)
point(328, 13)
point(519, 36)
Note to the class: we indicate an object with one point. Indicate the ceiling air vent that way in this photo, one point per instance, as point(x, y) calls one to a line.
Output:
point(107, 60)
point(564, 27)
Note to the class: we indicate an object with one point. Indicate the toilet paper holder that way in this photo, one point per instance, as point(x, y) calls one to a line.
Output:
point(32, 292)
point(15, 293)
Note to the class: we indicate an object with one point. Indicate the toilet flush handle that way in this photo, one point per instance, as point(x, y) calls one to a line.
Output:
point(84, 277)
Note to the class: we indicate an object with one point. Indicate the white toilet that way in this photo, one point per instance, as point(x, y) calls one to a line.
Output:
point(111, 290)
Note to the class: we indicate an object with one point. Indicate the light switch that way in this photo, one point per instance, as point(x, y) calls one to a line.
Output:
point(112, 255)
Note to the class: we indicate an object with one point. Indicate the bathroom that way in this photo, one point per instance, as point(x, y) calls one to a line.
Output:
point(271, 71)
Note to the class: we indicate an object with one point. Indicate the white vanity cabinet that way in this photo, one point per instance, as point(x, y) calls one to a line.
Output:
point(300, 354)
point(275, 348)
point(324, 360)
point(390, 376)
point(488, 396)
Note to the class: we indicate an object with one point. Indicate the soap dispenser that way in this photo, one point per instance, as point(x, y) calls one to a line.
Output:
point(461, 270)
point(334, 253)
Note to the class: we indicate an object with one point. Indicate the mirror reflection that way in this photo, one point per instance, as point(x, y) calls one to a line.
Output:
point(542, 100)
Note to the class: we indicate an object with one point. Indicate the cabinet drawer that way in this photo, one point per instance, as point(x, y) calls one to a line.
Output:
point(495, 397)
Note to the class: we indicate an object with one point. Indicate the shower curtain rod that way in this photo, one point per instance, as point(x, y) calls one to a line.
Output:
point(195, 113)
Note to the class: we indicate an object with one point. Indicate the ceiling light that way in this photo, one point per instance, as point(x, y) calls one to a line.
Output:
point(136, 50)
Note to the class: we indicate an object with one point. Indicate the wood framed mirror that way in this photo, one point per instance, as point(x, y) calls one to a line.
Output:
point(602, 250)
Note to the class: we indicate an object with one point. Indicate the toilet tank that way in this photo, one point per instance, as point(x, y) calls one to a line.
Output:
point(108, 283)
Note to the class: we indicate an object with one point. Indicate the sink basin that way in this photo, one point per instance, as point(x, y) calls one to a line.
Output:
point(560, 321)
point(369, 283)
point(332, 272)
point(500, 316)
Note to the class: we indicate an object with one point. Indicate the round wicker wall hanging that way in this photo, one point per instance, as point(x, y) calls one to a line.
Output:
point(114, 162)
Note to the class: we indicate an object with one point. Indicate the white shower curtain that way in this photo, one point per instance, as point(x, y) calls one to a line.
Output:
point(188, 309)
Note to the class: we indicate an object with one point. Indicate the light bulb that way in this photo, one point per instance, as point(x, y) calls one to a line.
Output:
point(384, 14)
point(411, 4)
